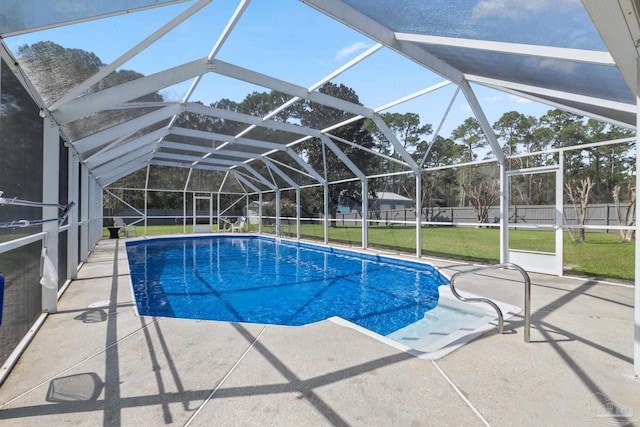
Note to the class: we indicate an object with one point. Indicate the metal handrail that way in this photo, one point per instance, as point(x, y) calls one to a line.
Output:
point(527, 295)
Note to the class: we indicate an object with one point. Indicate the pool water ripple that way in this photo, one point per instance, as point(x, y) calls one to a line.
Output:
point(261, 280)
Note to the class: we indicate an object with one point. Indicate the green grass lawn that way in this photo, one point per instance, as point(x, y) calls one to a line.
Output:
point(602, 255)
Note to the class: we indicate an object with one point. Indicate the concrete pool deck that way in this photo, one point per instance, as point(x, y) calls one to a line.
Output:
point(96, 363)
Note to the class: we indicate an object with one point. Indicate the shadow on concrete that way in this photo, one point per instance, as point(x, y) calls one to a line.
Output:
point(75, 388)
point(549, 332)
point(80, 393)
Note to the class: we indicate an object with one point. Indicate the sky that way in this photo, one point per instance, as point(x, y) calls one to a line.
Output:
point(268, 35)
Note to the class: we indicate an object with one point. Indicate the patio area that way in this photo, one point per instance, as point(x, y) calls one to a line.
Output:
point(96, 363)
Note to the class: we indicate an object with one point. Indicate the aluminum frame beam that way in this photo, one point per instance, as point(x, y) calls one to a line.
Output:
point(125, 170)
point(577, 55)
point(346, 160)
point(125, 148)
point(525, 91)
point(272, 166)
point(155, 162)
point(117, 163)
point(117, 173)
point(194, 158)
point(609, 17)
point(362, 23)
point(482, 119)
point(123, 129)
point(87, 18)
point(148, 41)
point(244, 181)
point(92, 103)
point(260, 177)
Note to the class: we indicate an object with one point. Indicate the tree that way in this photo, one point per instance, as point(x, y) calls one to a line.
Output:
point(629, 217)
point(482, 196)
point(511, 129)
point(444, 183)
point(520, 134)
point(482, 189)
point(408, 187)
point(410, 133)
point(608, 165)
point(567, 130)
point(322, 159)
point(436, 186)
point(517, 133)
point(471, 136)
point(579, 198)
point(406, 128)
point(55, 70)
point(262, 103)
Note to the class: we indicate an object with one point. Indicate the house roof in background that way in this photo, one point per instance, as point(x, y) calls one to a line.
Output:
point(385, 195)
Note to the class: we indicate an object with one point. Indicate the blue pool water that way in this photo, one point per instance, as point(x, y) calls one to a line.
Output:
point(260, 280)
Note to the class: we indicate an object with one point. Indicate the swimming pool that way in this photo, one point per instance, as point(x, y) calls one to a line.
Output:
point(257, 279)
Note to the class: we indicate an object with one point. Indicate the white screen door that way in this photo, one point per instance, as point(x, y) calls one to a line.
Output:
point(535, 219)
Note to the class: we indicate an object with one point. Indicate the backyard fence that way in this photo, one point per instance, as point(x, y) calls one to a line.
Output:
point(597, 214)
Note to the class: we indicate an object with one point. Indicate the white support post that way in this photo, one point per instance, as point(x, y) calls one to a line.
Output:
point(210, 212)
point(636, 311)
point(504, 214)
point(559, 233)
point(246, 209)
point(326, 213)
point(419, 215)
point(298, 213)
point(278, 212)
point(194, 212)
point(98, 212)
point(50, 195)
point(365, 214)
point(72, 219)
point(184, 202)
point(92, 213)
point(260, 212)
point(184, 211)
point(84, 214)
point(219, 218)
point(97, 217)
point(146, 198)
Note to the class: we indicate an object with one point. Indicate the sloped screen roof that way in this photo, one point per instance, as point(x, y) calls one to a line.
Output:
point(560, 23)
point(223, 86)
point(18, 16)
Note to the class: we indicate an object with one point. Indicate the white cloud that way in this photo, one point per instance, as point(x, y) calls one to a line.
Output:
point(519, 99)
point(494, 98)
point(465, 108)
point(350, 50)
point(518, 8)
point(554, 65)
